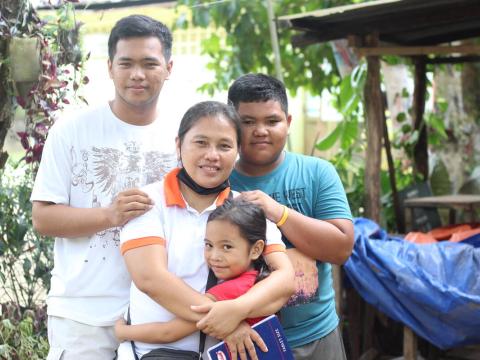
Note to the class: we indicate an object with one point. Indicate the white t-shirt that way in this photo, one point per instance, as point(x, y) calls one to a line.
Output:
point(181, 229)
point(88, 158)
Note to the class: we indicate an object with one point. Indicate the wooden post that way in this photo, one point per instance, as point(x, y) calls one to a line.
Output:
point(409, 344)
point(374, 116)
point(337, 286)
point(421, 148)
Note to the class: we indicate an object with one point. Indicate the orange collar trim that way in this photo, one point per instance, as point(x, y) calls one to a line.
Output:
point(222, 196)
point(173, 195)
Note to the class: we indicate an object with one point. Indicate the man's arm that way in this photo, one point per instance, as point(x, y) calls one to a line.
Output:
point(325, 240)
point(65, 221)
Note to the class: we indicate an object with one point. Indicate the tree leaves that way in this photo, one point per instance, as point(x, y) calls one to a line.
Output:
point(247, 46)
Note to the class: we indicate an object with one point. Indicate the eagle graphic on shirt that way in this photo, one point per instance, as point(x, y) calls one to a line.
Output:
point(106, 171)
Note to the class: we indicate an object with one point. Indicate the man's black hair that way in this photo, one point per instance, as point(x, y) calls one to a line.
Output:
point(140, 26)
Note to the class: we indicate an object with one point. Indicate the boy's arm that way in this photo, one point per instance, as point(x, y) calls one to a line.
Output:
point(65, 221)
point(155, 332)
point(325, 240)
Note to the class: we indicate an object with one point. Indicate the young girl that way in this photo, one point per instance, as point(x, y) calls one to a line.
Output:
point(234, 242)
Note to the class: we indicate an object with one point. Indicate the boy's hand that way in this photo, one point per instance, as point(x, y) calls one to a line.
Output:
point(120, 326)
point(273, 210)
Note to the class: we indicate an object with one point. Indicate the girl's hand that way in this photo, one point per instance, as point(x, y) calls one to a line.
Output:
point(120, 327)
point(240, 342)
point(221, 318)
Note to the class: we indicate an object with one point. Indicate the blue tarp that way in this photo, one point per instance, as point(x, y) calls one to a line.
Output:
point(432, 288)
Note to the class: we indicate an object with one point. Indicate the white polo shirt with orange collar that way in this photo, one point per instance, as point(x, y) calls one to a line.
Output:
point(181, 229)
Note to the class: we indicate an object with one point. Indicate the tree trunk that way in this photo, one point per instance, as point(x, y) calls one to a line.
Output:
point(421, 147)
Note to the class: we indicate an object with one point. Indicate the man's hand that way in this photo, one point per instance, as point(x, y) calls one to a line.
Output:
point(128, 205)
point(241, 341)
point(221, 318)
point(273, 210)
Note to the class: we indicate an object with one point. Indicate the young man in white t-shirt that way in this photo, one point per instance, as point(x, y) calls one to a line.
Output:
point(87, 187)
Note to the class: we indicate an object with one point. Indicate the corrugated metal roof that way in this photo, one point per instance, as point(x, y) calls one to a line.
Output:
point(100, 4)
point(404, 22)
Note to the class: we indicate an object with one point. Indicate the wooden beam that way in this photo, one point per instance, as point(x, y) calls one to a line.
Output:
point(454, 60)
point(374, 113)
point(417, 50)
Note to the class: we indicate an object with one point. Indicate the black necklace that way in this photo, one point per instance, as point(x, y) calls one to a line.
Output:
point(187, 180)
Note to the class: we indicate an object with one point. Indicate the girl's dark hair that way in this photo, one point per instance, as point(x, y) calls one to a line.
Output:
point(251, 222)
point(207, 109)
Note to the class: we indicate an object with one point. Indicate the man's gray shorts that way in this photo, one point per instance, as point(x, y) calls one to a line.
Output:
point(329, 347)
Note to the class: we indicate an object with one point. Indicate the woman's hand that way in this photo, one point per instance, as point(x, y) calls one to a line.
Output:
point(120, 327)
point(241, 341)
point(221, 318)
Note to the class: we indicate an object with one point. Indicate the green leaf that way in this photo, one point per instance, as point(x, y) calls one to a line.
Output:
point(437, 124)
point(349, 134)
point(401, 117)
point(331, 138)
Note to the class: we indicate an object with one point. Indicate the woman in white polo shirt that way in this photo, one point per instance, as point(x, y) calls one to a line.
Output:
point(163, 249)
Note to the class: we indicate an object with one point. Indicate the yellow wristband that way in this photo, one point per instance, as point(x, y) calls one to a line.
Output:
point(284, 216)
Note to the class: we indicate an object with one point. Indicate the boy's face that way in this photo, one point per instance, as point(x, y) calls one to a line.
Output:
point(264, 133)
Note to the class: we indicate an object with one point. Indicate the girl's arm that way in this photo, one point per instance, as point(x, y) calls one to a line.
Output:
point(147, 266)
point(155, 332)
point(264, 298)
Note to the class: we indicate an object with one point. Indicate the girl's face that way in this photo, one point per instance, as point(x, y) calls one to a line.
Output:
point(227, 252)
point(209, 150)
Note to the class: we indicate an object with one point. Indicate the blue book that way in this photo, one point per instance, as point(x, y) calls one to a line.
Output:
point(272, 334)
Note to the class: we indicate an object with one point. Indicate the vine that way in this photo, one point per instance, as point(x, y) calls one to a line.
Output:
point(61, 70)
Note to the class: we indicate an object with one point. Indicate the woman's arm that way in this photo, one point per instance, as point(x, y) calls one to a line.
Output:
point(147, 266)
point(155, 332)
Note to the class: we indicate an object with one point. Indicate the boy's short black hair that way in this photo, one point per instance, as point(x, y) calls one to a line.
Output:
point(140, 26)
point(257, 88)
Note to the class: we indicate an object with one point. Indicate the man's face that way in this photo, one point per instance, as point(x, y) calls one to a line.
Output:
point(264, 133)
point(138, 70)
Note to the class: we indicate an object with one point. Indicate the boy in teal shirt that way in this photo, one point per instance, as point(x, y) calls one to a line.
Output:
point(305, 197)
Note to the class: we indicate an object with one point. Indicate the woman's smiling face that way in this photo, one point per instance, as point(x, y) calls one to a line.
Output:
point(208, 150)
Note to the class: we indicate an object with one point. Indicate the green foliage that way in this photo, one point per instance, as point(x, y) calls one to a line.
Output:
point(25, 257)
point(23, 336)
point(348, 102)
point(246, 46)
